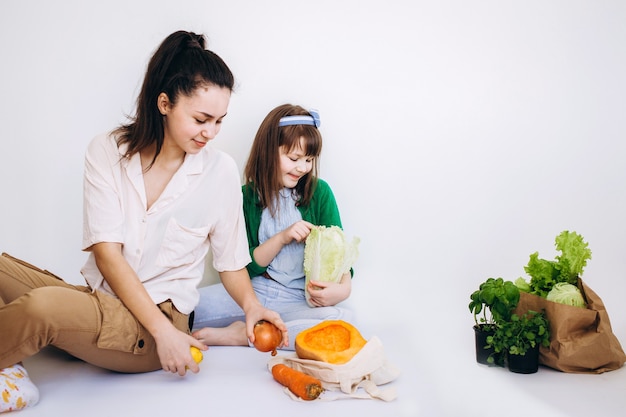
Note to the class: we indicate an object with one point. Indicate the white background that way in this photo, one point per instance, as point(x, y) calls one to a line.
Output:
point(459, 136)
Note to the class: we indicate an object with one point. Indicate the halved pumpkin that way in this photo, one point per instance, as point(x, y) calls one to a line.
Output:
point(331, 341)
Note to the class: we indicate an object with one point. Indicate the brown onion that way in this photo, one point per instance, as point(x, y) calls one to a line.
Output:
point(267, 337)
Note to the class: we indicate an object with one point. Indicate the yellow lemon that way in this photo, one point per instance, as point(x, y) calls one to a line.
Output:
point(196, 354)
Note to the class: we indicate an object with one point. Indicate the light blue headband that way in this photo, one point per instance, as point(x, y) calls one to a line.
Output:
point(313, 119)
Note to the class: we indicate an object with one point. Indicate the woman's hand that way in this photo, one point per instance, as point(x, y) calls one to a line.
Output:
point(257, 313)
point(173, 348)
point(323, 294)
point(237, 284)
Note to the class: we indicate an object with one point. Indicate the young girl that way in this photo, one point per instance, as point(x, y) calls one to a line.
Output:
point(283, 200)
point(156, 199)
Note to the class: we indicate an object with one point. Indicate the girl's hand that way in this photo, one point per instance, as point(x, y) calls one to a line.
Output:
point(325, 294)
point(173, 350)
point(298, 231)
point(267, 251)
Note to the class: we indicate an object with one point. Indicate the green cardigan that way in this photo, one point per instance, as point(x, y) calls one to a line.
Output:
point(322, 211)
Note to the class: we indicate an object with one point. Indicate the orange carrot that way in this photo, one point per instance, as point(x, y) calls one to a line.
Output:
point(303, 385)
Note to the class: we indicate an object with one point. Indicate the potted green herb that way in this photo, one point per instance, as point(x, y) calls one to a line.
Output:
point(518, 340)
point(492, 303)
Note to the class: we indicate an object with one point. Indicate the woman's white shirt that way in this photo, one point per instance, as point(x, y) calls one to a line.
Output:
point(166, 245)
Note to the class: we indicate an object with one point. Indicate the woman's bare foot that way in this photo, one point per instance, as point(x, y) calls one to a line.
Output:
point(231, 335)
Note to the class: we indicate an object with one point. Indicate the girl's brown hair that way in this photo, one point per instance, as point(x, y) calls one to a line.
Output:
point(262, 170)
point(179, 66)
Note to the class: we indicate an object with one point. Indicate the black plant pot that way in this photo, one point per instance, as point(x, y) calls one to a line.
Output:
point(481, 332)
point(524, 364)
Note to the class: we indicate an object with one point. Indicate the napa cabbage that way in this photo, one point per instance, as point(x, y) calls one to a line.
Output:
point(328, 255)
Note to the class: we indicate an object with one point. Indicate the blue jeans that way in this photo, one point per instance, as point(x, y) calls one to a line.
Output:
point(217, 309)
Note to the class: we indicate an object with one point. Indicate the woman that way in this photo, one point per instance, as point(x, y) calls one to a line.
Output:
point(156, 199)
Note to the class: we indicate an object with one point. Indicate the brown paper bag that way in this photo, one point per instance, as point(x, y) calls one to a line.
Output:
point(581, 340)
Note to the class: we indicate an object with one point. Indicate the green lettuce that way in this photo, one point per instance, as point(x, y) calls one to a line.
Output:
point(543, 273)
point(522, 284)
point(566, 267)
point(575, 253)
point(328, 254)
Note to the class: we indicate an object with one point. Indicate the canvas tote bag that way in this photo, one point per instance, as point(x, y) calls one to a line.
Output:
point(581, 339)
point(368, 369)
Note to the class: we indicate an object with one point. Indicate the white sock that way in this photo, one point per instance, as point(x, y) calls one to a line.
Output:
point(17, 391)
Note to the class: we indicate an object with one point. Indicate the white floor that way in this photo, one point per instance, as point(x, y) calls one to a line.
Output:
point(234, 381)
point(439, 378)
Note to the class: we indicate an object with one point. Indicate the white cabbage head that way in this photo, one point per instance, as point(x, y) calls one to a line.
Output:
point(328, 255)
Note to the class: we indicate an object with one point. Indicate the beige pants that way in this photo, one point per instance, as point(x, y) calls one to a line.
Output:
point(38, 309)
